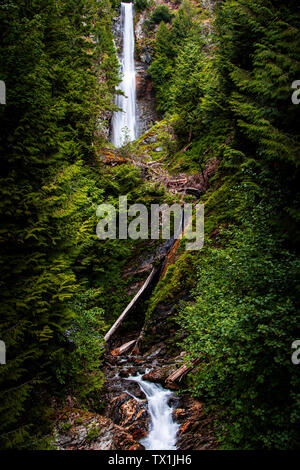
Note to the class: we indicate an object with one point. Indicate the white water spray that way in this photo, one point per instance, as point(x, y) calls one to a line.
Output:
point(124, 122)
point(163, 429)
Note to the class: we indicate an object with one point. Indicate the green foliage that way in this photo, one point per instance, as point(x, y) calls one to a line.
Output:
point(60, 73)
point(141, 5)
point(231, 101)
point(243, 322)
point(227, 95)
point(189, 86)
point(169, 42)
point(161, 69)
point(80, 369)
point(161, 13)
point(179, 278)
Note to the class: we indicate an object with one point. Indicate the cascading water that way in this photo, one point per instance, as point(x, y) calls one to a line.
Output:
point(163, 429)
point(124, 121)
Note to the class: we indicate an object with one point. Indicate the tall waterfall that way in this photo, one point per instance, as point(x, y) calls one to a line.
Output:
point(124, 122)
point(163, 429)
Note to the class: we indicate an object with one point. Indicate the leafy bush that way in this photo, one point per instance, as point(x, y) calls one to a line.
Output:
point(242, 323)
point(80, 368)
point(161, 13)
point(140, 5)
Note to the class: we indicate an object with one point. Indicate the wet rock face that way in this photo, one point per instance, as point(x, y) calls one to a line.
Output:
point(146, 113)
point(80, 430)
point(153, 376)
point(196, 430)
point(127, 403)
point(131, 414)
point(145, 104)
point(142, 86)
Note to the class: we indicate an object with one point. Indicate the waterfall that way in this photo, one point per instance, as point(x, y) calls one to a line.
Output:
point(124, 121)
point(163, 429)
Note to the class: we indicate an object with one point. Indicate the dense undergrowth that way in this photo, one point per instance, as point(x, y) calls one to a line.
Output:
point(60, 74)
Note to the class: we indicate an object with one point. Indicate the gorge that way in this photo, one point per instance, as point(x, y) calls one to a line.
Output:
point(133, 343)
point(154, 416)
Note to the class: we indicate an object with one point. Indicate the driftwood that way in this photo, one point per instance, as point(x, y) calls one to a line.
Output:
point(130, 305)
point(182, 371)
point(122, 349)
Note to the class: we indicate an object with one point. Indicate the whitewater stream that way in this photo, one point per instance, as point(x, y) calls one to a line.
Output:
point(123, 126)
point(162, 429)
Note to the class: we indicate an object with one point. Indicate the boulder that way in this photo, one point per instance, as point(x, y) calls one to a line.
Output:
point(128, 372)
point(159, 374)
point(196, 430)
point(154, 375)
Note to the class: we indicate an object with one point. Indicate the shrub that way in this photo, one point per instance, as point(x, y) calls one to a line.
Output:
point(161, 13)
point(140, 5)
point(242, 323)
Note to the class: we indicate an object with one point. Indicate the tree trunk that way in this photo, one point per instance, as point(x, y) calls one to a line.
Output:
point(130, 305)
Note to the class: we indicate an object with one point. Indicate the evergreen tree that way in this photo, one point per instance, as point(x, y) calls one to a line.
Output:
point(51, 54)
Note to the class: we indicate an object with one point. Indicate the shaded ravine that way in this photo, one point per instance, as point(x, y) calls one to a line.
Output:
point(162, 427)
point(139, 411)
point(137, 408)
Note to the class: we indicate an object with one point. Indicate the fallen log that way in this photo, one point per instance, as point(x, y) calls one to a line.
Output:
point(194, 191)
point(122, 349)
point(182, 371)
point(153, 163)
point(179, 181)
point(130, 305)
